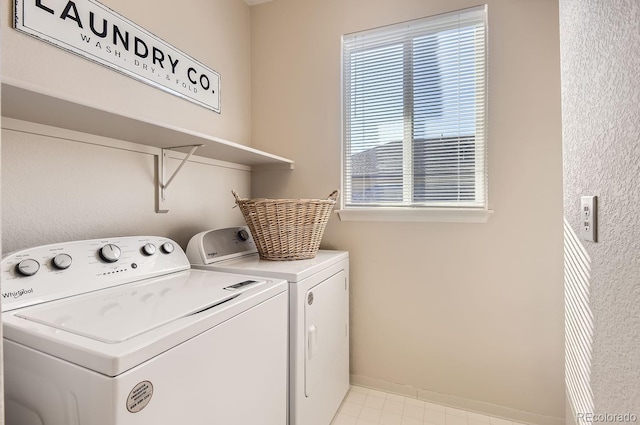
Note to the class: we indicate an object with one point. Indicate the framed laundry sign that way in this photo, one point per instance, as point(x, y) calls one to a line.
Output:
point(95, 32)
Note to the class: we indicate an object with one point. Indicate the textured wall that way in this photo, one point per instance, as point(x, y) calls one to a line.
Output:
point(1, 354)
point(469, 314)
point(600, 45)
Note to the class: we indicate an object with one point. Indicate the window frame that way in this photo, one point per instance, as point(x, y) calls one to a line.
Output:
point(415, 211)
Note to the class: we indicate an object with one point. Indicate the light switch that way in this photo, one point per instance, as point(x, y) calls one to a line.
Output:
point(589, 218)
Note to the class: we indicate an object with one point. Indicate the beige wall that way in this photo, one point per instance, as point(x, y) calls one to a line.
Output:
point(68, 187)
point(215, 32)
point(466, 314)
point(600, 44)
point(62, 188)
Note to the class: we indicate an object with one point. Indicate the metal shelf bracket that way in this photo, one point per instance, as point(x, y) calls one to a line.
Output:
point(161, 183)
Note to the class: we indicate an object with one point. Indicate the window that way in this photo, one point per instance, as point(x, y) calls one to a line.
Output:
point(414, 114)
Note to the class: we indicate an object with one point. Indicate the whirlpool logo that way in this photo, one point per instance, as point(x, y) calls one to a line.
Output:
point(18, 293)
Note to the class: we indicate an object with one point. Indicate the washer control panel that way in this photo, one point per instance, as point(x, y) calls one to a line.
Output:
point(50, 272)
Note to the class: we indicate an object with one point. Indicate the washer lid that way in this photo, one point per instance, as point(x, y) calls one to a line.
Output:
point(114, 316)
point(141, 311)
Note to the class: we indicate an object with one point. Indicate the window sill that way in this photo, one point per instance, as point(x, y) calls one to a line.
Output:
point(436, 215)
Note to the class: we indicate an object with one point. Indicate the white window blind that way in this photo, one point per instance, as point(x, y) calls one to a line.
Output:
point(414, 113)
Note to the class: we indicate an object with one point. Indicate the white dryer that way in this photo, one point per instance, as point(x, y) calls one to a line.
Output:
point(318, 316)
point(121, 331)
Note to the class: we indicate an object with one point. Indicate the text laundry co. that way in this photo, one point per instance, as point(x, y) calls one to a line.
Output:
point(94, 31)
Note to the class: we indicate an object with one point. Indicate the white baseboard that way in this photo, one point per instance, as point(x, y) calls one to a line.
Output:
point(457, 402)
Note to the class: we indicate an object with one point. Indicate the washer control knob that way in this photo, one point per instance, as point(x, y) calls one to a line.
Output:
point(243, 235)
point(28, 267)
point(149, 249)
point(62, 261)
point(110, 253)
point(167, 247)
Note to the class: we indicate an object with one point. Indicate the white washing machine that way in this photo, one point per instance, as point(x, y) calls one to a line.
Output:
point(318, 316)
point(121, 331)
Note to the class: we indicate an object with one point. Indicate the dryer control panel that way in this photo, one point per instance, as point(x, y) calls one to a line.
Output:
point(50, 272)
point(216, 245)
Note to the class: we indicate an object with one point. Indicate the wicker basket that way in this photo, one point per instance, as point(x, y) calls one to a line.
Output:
point(287, 229)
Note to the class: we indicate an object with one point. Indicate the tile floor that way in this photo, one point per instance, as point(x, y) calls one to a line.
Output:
point(363, 406)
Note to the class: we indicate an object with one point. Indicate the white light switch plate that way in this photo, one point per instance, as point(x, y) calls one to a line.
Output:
point(589, 218)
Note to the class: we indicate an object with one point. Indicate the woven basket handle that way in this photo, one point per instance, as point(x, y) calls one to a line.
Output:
point(235, 195)
point(333, 196)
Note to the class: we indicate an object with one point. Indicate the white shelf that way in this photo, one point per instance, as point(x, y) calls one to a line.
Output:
point(34, 105)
